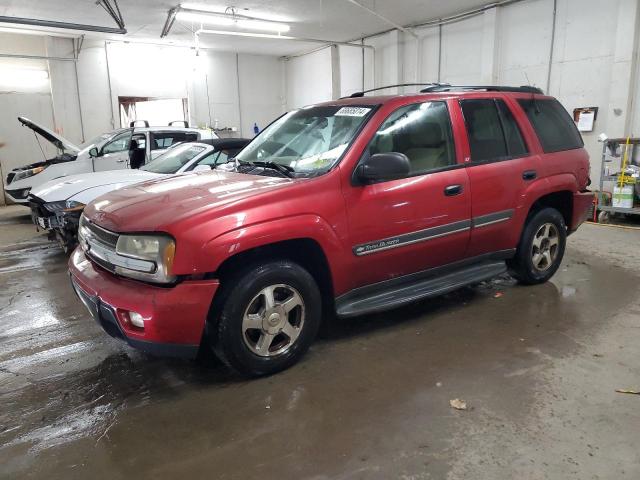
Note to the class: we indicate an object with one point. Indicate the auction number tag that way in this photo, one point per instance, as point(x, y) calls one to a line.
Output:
point(352, 112)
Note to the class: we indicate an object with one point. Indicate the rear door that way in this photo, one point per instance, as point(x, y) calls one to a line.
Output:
point(500, 168)
point(403, 226)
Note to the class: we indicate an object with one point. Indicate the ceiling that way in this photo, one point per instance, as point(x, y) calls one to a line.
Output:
point(332, 20)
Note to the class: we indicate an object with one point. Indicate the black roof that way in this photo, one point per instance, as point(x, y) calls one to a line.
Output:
point(221, 143)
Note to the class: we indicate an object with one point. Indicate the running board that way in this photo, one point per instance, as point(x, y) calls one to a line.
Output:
point(400, 291)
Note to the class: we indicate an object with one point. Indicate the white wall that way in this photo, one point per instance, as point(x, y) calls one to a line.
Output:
point(80, 99)
point(592, 62)
point(309, 79)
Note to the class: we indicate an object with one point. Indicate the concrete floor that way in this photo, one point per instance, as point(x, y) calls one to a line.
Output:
point(538, 367)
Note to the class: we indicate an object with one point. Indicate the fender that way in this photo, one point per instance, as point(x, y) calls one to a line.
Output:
point(308, 226)
point(540, 188)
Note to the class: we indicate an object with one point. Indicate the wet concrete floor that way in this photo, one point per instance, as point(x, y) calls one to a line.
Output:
point(537, 366)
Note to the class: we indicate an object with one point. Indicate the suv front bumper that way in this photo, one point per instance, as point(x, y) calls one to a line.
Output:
point(174, 317)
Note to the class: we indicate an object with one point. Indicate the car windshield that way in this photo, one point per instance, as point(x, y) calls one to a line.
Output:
point(174, 159)
point(100, 138)
point(309, 141)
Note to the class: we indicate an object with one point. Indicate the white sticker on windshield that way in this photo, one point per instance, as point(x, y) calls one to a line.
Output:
point(352, 112)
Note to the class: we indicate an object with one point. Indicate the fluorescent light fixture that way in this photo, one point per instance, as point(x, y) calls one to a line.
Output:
point(228, 20)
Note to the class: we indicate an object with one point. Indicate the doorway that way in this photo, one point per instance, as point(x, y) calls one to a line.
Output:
point(156, 111)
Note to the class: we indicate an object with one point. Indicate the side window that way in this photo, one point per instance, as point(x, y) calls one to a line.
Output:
point(486, 138)
point(552, 124)
point(515, 143)
point(422, 132)
point(119, 144)
point(162, 140)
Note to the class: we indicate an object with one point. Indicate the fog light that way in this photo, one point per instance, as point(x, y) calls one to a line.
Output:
point(136, 319)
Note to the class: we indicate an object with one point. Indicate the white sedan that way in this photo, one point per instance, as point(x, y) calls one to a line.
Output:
point(56, 205)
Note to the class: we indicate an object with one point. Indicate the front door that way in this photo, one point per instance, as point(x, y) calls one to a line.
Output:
point(115, 153)
point(403, 226)
point(500, 170)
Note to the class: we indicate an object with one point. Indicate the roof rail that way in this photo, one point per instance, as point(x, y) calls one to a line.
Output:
point(361, 94)
point(488, 88)
point(133, 124)
point(184, 123)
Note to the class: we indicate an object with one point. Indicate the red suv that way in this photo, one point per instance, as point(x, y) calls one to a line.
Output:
point(347, 207)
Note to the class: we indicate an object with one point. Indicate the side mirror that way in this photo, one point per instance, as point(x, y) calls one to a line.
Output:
point(93, 152)
point(382, 167)
point(202, 168)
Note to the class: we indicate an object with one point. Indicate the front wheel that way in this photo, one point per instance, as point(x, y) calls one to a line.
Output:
point(541, 247)
point(269, 318)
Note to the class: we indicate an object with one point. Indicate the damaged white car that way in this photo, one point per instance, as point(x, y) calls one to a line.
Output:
point(56, 206)
point(123, 148)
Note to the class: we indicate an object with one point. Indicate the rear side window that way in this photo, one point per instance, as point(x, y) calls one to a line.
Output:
point(492, 131)
point(162, 140)
point(552, 124)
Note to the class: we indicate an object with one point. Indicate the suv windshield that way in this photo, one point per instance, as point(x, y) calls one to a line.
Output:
point(175, 158)
point(308, 141)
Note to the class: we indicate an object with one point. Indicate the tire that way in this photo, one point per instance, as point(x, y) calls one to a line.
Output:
point(270, 315)
point(541, 247)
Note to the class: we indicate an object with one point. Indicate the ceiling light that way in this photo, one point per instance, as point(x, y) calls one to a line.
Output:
point(231, 20)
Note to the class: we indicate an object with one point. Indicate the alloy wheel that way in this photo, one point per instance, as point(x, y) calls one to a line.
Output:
point(544, 249)
point(273, 320)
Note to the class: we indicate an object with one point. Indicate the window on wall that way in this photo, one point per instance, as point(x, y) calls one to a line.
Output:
point(553, 124)
point(156, 111)
point(422, 132)
point(492, 131)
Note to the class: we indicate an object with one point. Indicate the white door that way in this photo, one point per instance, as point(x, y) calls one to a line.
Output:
point(114, 154)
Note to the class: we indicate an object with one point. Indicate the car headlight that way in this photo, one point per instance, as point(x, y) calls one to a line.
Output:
point(64, 206)
point(151, 257)
point(30, 172)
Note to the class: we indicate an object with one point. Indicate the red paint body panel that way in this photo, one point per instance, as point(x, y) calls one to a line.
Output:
point(216, 215)
point(175, 315)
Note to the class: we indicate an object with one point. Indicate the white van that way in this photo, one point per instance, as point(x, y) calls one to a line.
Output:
point(123, 148)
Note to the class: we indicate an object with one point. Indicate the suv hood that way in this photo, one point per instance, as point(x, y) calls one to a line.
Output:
point(58, 141)
point(159, 204)
point(65, 188)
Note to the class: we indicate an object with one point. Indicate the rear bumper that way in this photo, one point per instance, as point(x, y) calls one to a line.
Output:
point(174, 317)
point(582, 202)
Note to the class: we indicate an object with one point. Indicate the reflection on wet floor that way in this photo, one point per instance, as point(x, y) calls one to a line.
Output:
point(370, 400)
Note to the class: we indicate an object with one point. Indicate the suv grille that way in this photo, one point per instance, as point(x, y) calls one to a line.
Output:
point(98, 244)
point(107, 238)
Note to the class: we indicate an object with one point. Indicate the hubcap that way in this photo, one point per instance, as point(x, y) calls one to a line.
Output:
point(544, 249)
point(273, 320)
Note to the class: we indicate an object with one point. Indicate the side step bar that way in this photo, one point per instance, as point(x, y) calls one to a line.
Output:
point(394, 293)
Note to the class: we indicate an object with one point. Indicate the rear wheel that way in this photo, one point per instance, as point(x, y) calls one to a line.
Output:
point(541, 247)
point(269, 318)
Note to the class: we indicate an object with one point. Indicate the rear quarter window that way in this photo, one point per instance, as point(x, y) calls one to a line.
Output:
point(552, 123)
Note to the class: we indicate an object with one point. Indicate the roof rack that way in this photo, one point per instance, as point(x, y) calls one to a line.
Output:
point(488, 88)
point(133, 124)
point(361, 94)
point(184, 123)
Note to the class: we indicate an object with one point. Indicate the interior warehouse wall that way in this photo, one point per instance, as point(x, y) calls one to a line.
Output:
point(592, 63)
point(223, 89)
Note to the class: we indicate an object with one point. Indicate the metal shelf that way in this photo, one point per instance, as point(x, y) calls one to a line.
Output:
point(628, 211)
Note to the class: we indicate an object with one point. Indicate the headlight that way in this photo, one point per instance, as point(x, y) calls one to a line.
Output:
point(27, 173)
point(73, 206)
point(64, 206)
point(151, 257)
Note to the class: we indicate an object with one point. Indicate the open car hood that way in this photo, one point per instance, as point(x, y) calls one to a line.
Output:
point(58, 141)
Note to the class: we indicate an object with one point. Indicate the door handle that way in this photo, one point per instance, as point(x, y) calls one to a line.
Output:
point(120, 161)
point(452, 190)
point(529, 175)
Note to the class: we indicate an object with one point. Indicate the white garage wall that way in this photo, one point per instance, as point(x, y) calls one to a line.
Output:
point(309, 79)
point(223, 89)
point(592, 62)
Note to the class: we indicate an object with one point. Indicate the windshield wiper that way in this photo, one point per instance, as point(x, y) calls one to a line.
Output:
point(286, 170)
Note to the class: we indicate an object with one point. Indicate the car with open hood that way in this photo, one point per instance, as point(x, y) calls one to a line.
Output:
point(345, 208)
point(121, 148)
point(56, 205)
